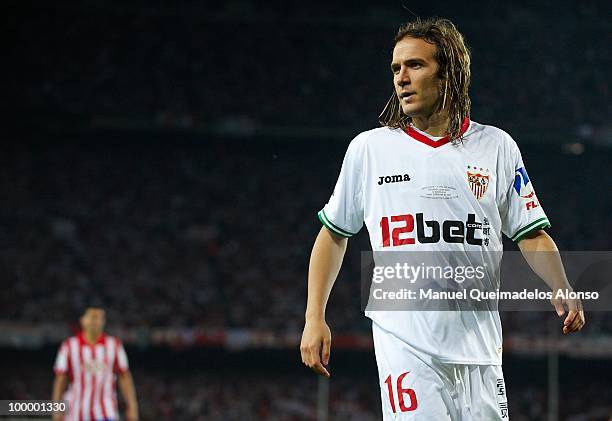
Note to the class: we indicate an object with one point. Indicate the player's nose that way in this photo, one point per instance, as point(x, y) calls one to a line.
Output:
point(403, 78)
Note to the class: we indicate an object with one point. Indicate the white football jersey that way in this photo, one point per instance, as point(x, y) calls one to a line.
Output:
point(418, 193)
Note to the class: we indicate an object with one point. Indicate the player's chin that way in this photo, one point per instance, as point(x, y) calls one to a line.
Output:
point(410, 110)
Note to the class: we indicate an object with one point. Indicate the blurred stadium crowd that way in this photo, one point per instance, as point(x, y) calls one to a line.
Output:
point(246, 64)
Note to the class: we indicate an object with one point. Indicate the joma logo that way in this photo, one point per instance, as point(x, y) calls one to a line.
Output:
point(393, 179)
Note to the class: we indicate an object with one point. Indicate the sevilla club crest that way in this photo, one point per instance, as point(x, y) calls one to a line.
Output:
point(478, 179)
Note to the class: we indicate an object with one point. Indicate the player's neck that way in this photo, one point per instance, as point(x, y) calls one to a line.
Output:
point(91, 337)
point(434, 125)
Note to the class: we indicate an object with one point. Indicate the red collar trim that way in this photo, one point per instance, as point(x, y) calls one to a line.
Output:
point(83, 341)
point(431, 142)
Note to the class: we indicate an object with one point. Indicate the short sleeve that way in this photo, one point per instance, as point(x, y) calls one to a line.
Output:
point(343, 213)
point(61, 361)
point(121, 362)
point(521, 210)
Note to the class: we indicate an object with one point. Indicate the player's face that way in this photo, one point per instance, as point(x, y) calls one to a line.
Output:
point(93, 320)
point(415, 77)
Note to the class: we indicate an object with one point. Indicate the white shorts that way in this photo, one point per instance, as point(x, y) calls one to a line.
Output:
point(417, 386)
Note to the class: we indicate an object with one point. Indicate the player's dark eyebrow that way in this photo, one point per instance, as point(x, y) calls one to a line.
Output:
point(395, 65)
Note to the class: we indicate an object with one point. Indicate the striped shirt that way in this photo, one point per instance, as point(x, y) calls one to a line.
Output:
point(92, 370)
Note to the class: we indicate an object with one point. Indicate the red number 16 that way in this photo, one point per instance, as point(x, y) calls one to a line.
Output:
point(400, 394)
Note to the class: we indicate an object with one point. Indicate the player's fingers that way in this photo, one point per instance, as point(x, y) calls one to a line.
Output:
point(319, 369)
point(314, 357)
point(305, 356)
point(305, 351)
point(315, 360)
point(577, 323)
point(571, 329)
point(326, 350)
point(571, 316)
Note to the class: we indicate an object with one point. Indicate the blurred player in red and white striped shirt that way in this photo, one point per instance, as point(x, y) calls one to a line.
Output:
point(90, 362)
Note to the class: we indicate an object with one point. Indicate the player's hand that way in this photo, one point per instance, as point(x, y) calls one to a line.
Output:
point(316, 346)
point(574, 321)
point(58, 417)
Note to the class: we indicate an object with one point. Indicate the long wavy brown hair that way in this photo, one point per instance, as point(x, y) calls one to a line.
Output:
point(453, 57)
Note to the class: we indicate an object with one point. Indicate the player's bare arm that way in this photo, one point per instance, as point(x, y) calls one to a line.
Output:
point(59, 386)
point(543, 257)
point(126, 384)
point(325, 261)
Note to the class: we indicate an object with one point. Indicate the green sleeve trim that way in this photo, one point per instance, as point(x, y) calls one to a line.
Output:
point(330, 225)
point(537, 224)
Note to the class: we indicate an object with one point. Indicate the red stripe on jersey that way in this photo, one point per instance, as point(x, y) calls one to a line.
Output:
point(110, 401)
point(81, 413)
point(68, 356)
point(71, 377)
point(101, 389)
point(117, 344)
point(434, 143)
point(93, 381)
point(75, 379)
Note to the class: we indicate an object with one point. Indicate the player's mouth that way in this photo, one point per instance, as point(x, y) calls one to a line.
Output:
point(407, 96)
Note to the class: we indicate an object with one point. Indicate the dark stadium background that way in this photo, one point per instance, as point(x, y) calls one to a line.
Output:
point(167, 159)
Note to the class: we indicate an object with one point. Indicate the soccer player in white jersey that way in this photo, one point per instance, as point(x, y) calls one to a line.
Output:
point(89, 364)
point(431, 179)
